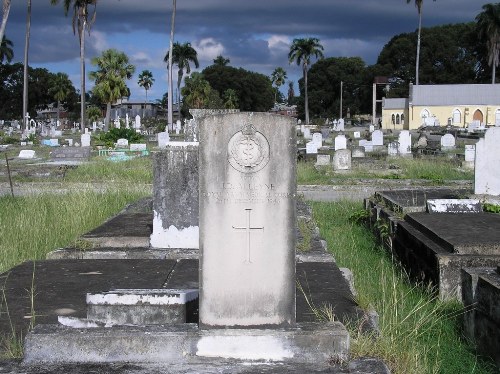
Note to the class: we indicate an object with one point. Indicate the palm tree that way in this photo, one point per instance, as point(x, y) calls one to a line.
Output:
point(278, 78)
point(61, 87)
point(5, 16)
point(182, 55)
point(6, 51)
point(82, 22)
point(488, 26)
point(291, 92)
point(146, 81)
point(25, 78)
point(170, 119)
point(230, 99)
point(301, 52)
point(418, 4)
point(113, 68)
point(221, 61)
point(196, 91)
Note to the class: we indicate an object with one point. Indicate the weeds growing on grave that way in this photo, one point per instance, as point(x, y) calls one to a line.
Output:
point(32, 226)
point(418, 332)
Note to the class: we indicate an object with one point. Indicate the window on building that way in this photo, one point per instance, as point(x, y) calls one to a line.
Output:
point(393, 119)
point(397, 119)
point(457, 117)
point(402, 119)
point(497, 117)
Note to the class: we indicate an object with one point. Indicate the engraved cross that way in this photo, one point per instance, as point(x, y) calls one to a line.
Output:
point(248, 231)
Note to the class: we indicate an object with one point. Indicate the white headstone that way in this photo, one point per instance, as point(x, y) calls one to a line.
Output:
point(70, 142)
point(372, 128)
point(94, 126)
point(342, 159)
point(404, 141)
point(357, 135)
point(138, 147)
point(178, 127)
point(487, 165)
point(163, 139)
point(340, 142)
point(85, 139)
point(340, 125)
point(307, 133)
point(311, 148)
point(122, 143)
point(317, 138)
point(367, 144)
point(127, 124)
point(470, 153)
point(447, 141)
point(377, 137)
point(137, 123)
point(27, 154)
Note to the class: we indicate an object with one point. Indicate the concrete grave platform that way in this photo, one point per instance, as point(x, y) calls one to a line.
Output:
point(415, 200)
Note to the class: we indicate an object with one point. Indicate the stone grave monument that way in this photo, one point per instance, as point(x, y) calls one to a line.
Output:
point(447, 142)
point(487, 164)
point(377, 137)
point(342, 160)
point(404, 141)
point(340, 142)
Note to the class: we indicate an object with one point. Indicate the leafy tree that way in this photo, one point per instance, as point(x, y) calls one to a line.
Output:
point(6, 51)
point(146, 81)
point(418, 4)
point(230, 99)
point(61, 88)
point(182, 55)
point(254, 90)
point(278, 77)
point(221, 61)
point(81, 22)
point(488, 28)
point(94, 113)
point(113, 68)
point(324, 86)
point(301, 51)
point(197, 91)
point(448, 54)
point(5, 16)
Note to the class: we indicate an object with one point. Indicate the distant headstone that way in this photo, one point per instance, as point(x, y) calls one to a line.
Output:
point(70, 142)
point(85, 139)
point(70, 153)
point(57, 133)
point(317, 138)
point(137, 123)
point(393, 148)
point(311, 148)
point(122, 143)
point(163, 139)
point(422, 141)
point(404, 141)
point(447, 141)
point(322, 160)
point(307, 133)
point(178, 127)
point(138, 147)
point(487, 167)
point(470, 153)
point(340, 125)
point(372, 128)
point(366, 144)
point(377, 137)
point(247, 260)
point(54, 142)
point(357, 152)
point(340, 142)
point(342, 159)
point(27, 154)
point(357, 135)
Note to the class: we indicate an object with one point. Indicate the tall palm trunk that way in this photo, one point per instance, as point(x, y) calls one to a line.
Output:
point(306, 96)
point(179, 80)
point(418, 44)
point(5, 16)
point(170, 85)
point(25, 78)
point(58, 109)
point(494, 62)
point(82, 70)
point(108, 116)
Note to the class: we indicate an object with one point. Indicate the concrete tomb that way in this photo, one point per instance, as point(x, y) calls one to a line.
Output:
point(322, 160)
point(357, 152)
point(247, 259)
point(340, 142)
point(27, 154)
point(487, 166)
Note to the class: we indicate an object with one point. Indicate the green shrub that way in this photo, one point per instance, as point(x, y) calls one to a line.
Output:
point(109, 138)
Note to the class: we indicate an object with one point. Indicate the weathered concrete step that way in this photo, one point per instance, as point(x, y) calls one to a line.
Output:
point(477, 233)
point(306, 343)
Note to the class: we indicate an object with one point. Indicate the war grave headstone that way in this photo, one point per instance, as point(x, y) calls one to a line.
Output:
point(317, 138)
point(487, 164)
point(311, 148)
point(340, 142)
point(469, 156)
point(307, 133)
point(248, 181)
point(85, 140)
point(163, 139)
point(340, 125)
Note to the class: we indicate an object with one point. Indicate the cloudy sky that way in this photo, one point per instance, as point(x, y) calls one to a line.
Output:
point(253, 34)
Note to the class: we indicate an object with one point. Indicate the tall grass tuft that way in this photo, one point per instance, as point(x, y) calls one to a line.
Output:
point(418, 333)
point(32, 226)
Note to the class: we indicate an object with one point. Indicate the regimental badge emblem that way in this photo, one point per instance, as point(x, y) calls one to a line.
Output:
point(248, 150)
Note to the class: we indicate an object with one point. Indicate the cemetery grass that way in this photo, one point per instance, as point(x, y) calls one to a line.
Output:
point(434, 170)
point(418, 333)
